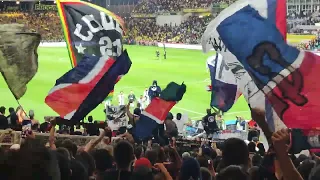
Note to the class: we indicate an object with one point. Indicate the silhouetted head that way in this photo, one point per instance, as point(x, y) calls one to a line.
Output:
point(179, 115)
point(11, 110)
point(155, 83)
point(90, 119)
point(2, 110)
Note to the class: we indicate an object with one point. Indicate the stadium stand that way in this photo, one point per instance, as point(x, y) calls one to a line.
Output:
point(143, 27)
point(140, 29)
point(46, 23)
point(79, 154)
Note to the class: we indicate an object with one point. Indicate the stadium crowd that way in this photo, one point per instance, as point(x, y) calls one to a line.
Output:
point(313, 44)
point(156, 6)
point(146, 30)
point(139, 29)
point(46, 23)
point(115, 156)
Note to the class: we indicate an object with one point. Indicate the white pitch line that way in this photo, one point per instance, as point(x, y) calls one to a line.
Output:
point(188, 110)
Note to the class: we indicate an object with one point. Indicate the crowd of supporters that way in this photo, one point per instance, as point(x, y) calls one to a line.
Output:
point(139, 29)
point(155, 6)
point(46, 23)
point(121, 157)
point(313, 44)
point(146, 30)
point(189, 31)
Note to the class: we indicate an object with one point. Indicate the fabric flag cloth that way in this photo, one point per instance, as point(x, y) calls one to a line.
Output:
point(84, 87)
point(116, 117)
point(157, 111)
point(110, 96)
point(18, 57)
point(274, 12)
point(286, 75)
point(90, 30)
point(224, 88)
point(116, 112)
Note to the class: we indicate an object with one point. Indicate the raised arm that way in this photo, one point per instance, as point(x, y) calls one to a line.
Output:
point(279, 140)
point(129, 114)
point(52, 144)
point(93, 143)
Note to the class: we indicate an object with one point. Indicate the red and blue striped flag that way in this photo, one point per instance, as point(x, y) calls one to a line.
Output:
point(286, 75)
point(157, 111)
point(274, 12)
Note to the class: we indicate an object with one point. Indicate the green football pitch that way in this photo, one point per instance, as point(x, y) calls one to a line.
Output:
point(188, 66)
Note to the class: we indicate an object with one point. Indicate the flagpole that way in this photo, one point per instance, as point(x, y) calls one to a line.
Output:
point(22, 108)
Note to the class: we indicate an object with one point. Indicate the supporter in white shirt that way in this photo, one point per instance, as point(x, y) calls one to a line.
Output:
point(141, 100)
point(107, 103)
point(180, 122)
point(121, 99)
point(200, 125)
point(241, 125)
point(220, 122)
point(146, 96)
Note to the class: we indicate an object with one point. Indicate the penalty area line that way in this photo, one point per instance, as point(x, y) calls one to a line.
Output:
point(175, 107)
point(236, 112)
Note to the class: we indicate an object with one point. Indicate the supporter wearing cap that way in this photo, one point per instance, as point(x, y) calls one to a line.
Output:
point(142, 169)
point(142, 162)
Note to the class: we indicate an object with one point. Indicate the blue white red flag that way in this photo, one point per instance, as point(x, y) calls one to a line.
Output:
point(286, 75)
point(157, 111)
point(224, 88)
point(274, 12)
point(85, 86)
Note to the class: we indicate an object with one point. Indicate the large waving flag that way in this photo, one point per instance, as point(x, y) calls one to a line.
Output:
point(287, 76)
point(84, 87)
point(18, 57)
point(157, 111)
point(224, 88)
point(271, 10)
point(90, 29)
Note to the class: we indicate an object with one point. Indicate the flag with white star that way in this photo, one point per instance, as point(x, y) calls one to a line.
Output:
point(90, 30)
point(84, 87)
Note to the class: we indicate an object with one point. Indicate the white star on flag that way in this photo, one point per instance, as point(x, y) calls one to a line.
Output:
point(80, 49)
